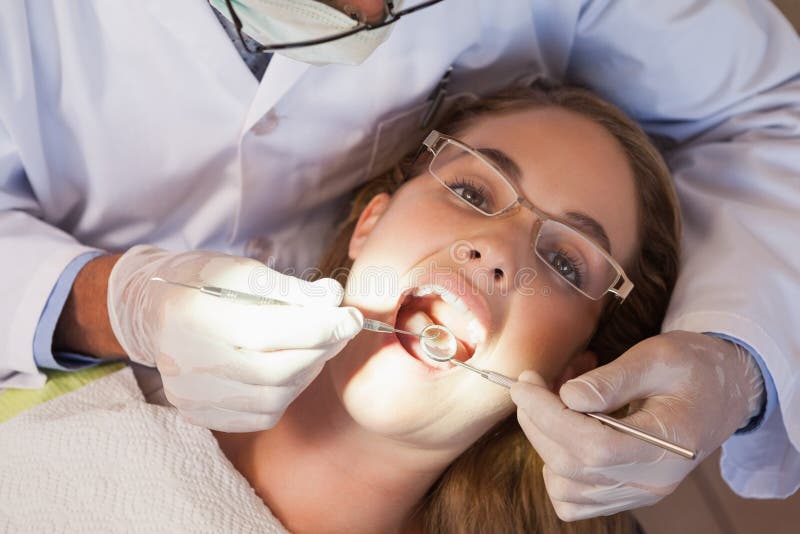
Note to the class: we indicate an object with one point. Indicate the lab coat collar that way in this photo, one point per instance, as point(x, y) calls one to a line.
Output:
point(197, 29)
point(195, 24)
point(281, 75)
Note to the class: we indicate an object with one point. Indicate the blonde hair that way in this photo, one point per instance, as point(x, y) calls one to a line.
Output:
point(496, 485)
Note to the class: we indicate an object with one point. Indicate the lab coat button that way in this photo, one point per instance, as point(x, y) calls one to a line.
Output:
point(266, 124)
point(259, 248)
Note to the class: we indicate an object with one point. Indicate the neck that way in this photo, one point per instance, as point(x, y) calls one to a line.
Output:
point(317, 470)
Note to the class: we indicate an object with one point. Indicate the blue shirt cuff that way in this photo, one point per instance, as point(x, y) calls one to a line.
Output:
point(770, 392)
point(43, 353)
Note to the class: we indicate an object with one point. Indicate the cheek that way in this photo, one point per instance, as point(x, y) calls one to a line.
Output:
point(407, 233)
point(543, 333)
point(410, 230)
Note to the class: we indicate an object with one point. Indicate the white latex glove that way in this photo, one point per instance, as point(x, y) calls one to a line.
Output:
point(692, 389)
point(225, 365)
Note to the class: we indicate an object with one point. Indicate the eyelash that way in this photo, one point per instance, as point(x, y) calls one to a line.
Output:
point(577, 265)
point(463, 182)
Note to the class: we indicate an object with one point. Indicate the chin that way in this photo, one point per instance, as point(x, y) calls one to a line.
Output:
point(394, 394)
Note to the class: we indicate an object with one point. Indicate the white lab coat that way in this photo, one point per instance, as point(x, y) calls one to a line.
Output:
point(136, 122)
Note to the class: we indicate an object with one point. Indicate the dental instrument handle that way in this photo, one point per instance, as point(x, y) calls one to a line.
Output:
point(249, 298)
point(238, 296)
point(500, 380)
point(642, 435)
point(227, 294)
point(616, 424)
point(491, 376)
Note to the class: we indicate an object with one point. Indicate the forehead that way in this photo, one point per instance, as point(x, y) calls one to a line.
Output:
point(567, 163)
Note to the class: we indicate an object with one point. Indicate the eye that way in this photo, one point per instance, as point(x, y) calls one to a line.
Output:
point(475, 194)
point(567, 266)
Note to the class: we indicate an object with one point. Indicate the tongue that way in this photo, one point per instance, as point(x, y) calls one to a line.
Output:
point(412, 320)
point(416, 320)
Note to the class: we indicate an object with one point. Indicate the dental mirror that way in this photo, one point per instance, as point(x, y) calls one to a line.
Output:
point(438, 343)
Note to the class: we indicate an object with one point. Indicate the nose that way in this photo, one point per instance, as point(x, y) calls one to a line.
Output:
point(371, 11)
point(467, 252)
point(489, 262)
point(497, 249)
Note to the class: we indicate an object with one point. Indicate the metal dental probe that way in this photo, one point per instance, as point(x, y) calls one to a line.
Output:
point(249, 298)
point(506, 382)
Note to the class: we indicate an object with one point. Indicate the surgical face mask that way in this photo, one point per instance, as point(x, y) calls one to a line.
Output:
point(287, 21)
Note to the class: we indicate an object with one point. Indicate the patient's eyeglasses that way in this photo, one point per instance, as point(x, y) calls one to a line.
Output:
point(390, 17)
point(474, 178)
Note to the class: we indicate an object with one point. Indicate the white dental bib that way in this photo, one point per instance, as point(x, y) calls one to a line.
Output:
point(100, 459)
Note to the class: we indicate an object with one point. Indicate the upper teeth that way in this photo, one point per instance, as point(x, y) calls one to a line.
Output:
point(477, 333)
point(447, 296)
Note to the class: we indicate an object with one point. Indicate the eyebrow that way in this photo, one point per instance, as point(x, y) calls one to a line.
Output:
point(589, 226)
point(583, 222)
point(503, 162)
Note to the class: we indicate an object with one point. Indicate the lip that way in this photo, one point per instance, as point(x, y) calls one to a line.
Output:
point(474, 300)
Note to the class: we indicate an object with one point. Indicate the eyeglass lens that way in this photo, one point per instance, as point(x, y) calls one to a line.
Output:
point(570, 256)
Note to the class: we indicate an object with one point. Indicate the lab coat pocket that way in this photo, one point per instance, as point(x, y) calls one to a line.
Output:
point(403, 132)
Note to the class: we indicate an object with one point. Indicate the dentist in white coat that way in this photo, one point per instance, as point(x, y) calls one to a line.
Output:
point(132, 134)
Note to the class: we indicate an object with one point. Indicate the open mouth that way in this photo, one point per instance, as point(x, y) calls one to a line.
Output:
point(433, 304)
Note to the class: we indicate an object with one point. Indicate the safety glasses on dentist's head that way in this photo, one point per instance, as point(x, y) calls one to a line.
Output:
point(390, 17)
point(474, 176)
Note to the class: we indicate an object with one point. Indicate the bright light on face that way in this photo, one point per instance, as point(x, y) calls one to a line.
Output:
point(390, 386)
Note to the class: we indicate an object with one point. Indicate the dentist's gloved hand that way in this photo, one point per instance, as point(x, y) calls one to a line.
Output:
point(225, 365)
point(692, 389)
